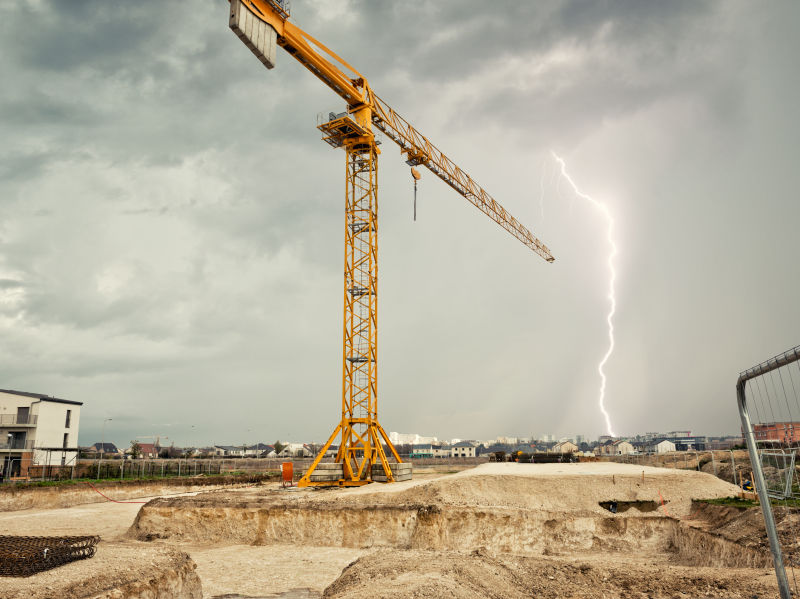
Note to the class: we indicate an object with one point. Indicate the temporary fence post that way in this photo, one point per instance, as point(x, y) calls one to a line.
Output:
point(713, 462)
point(733, 467)
point(761, 488)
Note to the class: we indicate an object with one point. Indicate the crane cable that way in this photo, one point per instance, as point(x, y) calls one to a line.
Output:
point(416, 176)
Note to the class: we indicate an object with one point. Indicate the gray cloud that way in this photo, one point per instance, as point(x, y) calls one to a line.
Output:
point(170, 224)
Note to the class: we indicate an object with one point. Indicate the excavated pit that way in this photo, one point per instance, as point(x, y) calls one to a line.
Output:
point(501, 510)
point(430, 527)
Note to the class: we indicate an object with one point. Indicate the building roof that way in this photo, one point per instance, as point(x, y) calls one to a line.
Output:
point(463, 444)
point(41, 397)
point(262, 447)
point(106, 447)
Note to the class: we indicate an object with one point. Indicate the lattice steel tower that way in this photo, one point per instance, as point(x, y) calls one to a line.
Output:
point(263, 25)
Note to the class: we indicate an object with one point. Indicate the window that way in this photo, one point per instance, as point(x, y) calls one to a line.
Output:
point(66, 440)
point(69, 417)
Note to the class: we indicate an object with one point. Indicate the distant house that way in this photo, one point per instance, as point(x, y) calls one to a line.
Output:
point(223, 451)
point(428, 450)
point(295, 450)
point(147, 451)
point(104, 448)
point(564, 447)
point(661, 446)
point(464, 449)
point(605, 448)
point(622, 447)
point(259, 450)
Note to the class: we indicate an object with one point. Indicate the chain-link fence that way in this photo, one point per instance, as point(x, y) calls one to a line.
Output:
point(731, 465)
point(127, 470)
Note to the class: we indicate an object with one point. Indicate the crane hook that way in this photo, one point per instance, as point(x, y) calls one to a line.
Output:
point(416, 176)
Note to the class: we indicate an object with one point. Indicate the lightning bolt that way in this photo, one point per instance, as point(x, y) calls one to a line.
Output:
point(612, 298)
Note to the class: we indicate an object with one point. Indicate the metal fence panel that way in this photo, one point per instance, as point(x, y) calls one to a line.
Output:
point(769, 408)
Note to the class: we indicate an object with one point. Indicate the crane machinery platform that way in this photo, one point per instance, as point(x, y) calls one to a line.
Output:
point(365, 452)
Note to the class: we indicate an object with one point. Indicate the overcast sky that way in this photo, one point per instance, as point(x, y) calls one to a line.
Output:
point(171, 239)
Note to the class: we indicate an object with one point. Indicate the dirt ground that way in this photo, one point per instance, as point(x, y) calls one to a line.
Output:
point(435, 575)
point(590, 553)
point(117, 564)
point(231, 570)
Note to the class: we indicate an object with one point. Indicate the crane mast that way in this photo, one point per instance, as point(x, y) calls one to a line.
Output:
point(263, 25)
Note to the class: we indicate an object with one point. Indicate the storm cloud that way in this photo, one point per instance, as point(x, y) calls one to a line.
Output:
point(171, 224)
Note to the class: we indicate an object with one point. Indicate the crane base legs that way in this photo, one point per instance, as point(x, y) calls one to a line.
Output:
point(360, 458)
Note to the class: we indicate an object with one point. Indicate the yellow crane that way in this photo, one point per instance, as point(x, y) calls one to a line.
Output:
point(263, 25)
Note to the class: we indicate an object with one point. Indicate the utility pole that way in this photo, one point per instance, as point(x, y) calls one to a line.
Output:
point(102, 446)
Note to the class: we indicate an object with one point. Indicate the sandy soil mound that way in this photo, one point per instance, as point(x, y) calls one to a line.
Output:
point(407, 574)
point(576, 487)
point(522, 509)
point(132, 571)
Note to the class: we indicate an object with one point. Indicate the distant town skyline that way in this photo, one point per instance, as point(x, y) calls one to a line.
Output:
point(413, 438)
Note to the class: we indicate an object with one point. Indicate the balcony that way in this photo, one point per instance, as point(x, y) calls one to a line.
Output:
point(16, 445)
point(14, 420)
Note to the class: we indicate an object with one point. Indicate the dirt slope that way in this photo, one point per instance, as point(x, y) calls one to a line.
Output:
point(436, 575)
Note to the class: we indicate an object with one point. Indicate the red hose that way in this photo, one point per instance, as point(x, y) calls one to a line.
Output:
point(109, 498)
point(664, 507)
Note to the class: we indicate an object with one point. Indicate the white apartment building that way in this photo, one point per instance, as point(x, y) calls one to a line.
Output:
point(464, 449)
point(36, 429)
point(410, 439)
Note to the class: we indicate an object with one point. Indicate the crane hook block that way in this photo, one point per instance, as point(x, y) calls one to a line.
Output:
point(257, 35)
point(416, 176)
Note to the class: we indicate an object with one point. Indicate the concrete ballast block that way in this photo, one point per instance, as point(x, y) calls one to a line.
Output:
point(257, 35)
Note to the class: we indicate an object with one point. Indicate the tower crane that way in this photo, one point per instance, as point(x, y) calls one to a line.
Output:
point(263, 25)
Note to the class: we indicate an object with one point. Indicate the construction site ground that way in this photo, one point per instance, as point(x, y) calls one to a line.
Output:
point(498, 530)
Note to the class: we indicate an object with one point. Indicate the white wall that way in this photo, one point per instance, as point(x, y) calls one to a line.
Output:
point(50, 429)
point(665, 447)
point(9, 403)
point(624, 448)
point(458, 452)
